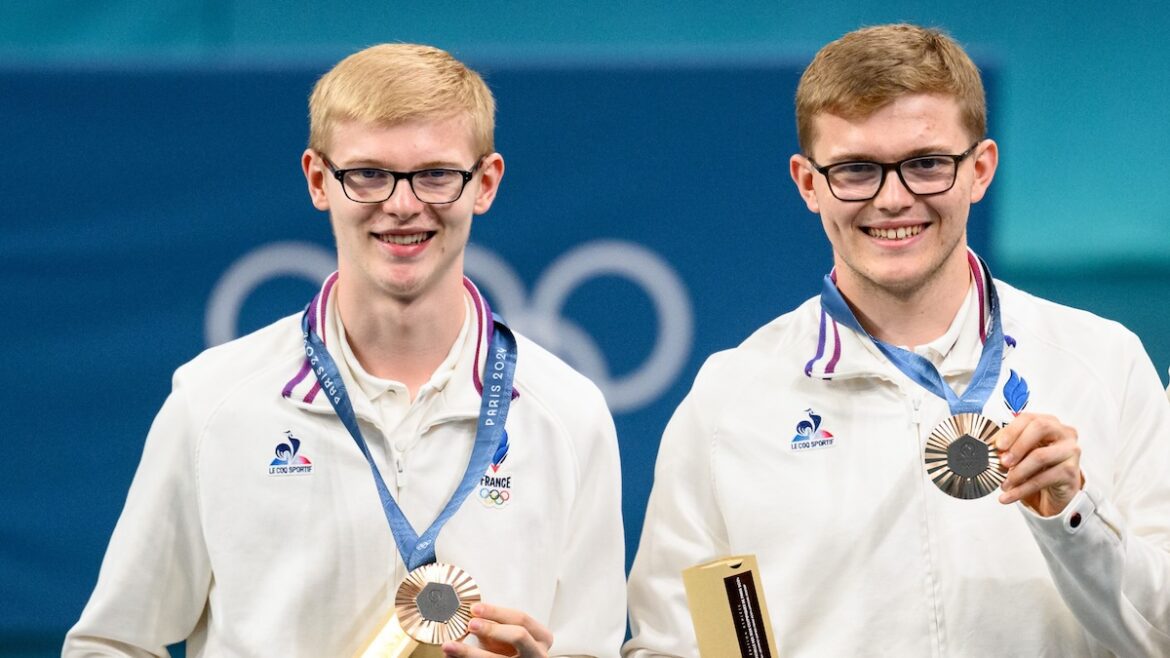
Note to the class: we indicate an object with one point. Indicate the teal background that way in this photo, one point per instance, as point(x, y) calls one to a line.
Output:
point(1081, 202)
point(1082, 123)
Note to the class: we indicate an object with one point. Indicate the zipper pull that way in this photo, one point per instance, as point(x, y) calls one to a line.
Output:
point(401, 472)
point(916, 415)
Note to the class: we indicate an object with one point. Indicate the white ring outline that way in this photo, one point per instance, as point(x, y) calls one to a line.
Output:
point(296, 259)
point(661, 284)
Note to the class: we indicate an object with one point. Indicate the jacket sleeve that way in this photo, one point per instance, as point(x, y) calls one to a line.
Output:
point(1110, 557)
point(154, 579)
point(588, 611)
point(683, 527)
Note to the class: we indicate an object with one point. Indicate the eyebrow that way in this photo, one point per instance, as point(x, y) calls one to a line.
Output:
point(364, 163)
point(915, 153)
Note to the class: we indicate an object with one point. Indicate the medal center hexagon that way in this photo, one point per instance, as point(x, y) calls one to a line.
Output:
point(437, 602)
point(967, 456)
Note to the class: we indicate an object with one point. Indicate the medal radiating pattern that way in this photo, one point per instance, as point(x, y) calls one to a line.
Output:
point(434, 603)
point(961, 458)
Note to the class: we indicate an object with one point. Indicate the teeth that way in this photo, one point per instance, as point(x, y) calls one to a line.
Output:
point(900, 233)
point(404, 239)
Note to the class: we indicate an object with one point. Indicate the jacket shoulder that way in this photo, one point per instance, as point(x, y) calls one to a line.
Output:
point(1063, 327)
point(556, 387)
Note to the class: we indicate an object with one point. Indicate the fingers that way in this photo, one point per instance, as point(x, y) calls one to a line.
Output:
point(1043, 460)
point(1008, 439)
point(502, 632)
point(1026, 433)
point(498, 622)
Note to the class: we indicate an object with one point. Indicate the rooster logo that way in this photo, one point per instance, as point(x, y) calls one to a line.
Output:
point(286, 453)
point(807, 430)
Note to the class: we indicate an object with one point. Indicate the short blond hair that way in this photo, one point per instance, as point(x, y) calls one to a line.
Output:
point(866, 69)
point(394, 83)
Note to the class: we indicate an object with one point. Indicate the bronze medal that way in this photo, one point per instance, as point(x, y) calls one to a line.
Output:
point(961, 458)
point(434, 602)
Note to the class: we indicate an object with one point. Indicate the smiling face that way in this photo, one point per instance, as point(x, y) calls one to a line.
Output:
point(898, 243)
point(401, 248)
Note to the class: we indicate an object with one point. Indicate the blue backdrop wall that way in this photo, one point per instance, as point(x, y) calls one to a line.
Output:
point(646, 220)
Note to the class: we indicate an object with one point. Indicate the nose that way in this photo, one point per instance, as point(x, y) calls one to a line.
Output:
point(402, 201)
point(893, 195)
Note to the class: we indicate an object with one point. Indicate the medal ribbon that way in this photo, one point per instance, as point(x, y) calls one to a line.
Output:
point(499, 371)
point(919, 368)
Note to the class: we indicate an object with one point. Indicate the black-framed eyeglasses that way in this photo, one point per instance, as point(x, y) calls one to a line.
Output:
point(923, 175)
point(374, 185)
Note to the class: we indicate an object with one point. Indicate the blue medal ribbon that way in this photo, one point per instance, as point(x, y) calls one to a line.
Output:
point(495, 400)
point(920, 369)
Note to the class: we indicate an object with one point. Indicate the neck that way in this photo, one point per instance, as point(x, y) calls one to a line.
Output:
point(402, 340)
point(913, 317)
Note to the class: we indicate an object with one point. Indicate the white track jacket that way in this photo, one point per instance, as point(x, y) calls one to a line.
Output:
point(245, 550)
point(804, 446)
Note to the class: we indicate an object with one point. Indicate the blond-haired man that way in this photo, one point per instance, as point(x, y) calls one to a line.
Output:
point(296, 477)
point(926, 461)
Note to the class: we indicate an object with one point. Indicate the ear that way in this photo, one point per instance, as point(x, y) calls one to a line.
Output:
point(488, 176)
point(804, 175)
point(986, 161)
point(315, 177)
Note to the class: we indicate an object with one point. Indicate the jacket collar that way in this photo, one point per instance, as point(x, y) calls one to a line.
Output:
point(460, 398)
point(842, 353)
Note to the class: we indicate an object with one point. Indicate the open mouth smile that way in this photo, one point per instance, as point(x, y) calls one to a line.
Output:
point(900, 233)
point(406, 240)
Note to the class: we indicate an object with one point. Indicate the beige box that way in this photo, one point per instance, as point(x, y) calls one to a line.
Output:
point(728, 608)
point(390, 642)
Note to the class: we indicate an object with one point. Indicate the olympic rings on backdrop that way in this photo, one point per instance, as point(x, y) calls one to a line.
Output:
point(537, 316)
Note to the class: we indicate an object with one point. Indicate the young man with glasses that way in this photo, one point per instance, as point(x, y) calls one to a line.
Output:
point(389, 460)
point(926, 461)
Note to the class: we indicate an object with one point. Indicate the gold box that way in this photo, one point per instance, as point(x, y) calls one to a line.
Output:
point(728, 609)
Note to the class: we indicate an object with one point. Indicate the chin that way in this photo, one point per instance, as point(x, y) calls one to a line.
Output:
point(897, 280)
point(398, 287)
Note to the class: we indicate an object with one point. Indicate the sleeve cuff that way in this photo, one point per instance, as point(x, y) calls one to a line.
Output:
point(1087, 508)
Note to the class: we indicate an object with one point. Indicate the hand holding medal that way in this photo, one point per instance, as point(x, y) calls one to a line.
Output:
point(438, 604)
point(961, 455)
point(1043, 463)
point(503, 633)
